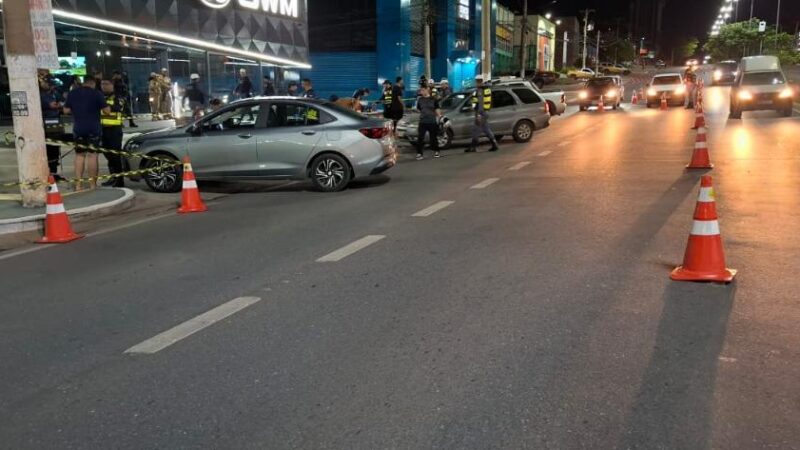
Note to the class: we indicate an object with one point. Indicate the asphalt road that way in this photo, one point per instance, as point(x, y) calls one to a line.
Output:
point(534, 311)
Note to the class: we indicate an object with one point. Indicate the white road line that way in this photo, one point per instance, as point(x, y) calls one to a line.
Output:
point(545, 153)
point(436, 207)
point(519, 165)
point(192, 326)
point(351, 248)
point(565, 143)
point(485, 183)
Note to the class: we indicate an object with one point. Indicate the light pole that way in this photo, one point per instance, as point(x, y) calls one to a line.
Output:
point(585, 31)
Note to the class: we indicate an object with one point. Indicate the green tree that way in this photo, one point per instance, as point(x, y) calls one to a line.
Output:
point(743, 39)
point(618, 50)
point(688, 48)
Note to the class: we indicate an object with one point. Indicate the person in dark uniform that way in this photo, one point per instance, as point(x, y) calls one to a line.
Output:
point(121, 90)
point(291, 89)
point(196, 95)
point(245, 87)
point(111, 121)
point(53, 128)
point(386, 99)
point(269, 86)
point(397, 108)
point(482, 104)
point(308, 89)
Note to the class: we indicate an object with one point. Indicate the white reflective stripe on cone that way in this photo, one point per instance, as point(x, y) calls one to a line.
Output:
point(53, 188)
point(56, 209)
point(701, 144)
point(705, 228)
point(706, 195)
point(189, 184)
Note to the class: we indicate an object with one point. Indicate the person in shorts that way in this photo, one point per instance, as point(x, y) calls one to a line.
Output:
point(85, 104)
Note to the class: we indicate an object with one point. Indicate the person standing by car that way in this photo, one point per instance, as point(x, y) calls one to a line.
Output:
point(291, 89)
point(269, 87)
point(85, 104)
point(429, 114)
point(690, 78)
point(308, 89)
point(245, 87)
point(358, 96)
point(444, 88)
point(196, 96)
point(396, 108)
point(386, 99)
point(111, 122)
point(53, 129)
point(482, 104)
point(121, 91)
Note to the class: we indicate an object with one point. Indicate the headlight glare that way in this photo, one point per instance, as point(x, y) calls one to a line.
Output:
point(745, 95)
point(583, 95)
point(786, 93)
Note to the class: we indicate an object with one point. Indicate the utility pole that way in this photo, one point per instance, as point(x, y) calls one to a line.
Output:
point(428, 19)
point(486, 37)
point(564, 52)
point(25, 40)
point(585, 30)
point(751, 9)
point(597, 59)
point(523, 45)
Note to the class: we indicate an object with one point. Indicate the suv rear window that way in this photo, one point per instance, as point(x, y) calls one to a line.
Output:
point(501, 99)
point(527, 96)
point(675, 79)
point(762, 78)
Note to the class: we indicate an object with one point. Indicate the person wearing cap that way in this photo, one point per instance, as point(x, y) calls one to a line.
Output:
point(154, 92)
point(196, 96)
point(444, 88)
point(111, 121)
point(245, 87)
point(481, 104)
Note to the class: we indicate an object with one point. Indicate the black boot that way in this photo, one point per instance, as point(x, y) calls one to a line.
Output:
point(473, 147)
point(494, 146)
point(133, 124)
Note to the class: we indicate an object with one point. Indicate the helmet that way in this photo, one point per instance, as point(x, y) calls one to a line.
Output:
point(194, 76)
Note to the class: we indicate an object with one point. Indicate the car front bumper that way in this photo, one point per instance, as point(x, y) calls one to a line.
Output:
point(763, 102)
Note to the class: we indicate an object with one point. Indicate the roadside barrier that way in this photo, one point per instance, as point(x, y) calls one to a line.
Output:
point(57, 229)
point(700, 158)
point(191, 202)
point(704, 259)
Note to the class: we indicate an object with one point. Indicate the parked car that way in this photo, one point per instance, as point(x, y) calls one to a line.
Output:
point(271, 138)
point(760, 84)
point(626, 70)
point(669, 85)
point(724, 72)
point(613, 69)
point(584, 73)
point(660, 64)
point(610, 88)
point(542, 78)
point(556, 100)
point(516, 111)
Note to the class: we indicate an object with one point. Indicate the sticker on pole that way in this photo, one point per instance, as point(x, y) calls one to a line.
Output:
point(44, 34)
point(762, 26)
point(19, 103)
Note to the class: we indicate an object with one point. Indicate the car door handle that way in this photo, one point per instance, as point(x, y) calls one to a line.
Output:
point(245, 135)
point(309, 132)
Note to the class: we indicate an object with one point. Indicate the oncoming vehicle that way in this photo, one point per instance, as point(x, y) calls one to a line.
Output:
point(607, 87)
point(760, 85)
point(271, 138)
point(516, 111)
point(724, 72)
point(669, 85)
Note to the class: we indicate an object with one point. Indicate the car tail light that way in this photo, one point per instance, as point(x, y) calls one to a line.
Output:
point(547, 108)
point(374, 133)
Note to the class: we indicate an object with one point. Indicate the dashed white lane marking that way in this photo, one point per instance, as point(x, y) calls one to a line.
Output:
point(436, 207)
point(519, 165)
point(545, 153)
point(565, 143)
point(485, 183)
point(192, 326)
point(351, 248)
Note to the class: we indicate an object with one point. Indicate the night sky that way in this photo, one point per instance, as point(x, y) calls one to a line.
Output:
point(681, 17)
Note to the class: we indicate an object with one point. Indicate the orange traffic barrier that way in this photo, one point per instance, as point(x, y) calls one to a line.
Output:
point(664, 105)
point(699, 117)
point(190, 195)
point(700, 158)
point(57, 229)
point(600, 106)
point(704, 259)
point(634, 99)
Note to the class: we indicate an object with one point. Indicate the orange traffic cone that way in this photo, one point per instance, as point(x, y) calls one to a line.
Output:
point(190, 195)
point(664, 105)
point(700, 159)
point(699, 117)
point(57, 229)
point(600, 107)
point(634, 99)
point(704, 259)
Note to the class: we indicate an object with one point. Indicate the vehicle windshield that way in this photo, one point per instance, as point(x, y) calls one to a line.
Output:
point(600, 82)
point(453, 100)
point(347, 112)
point(731, 66)
point(763, 78)
point(671, 79)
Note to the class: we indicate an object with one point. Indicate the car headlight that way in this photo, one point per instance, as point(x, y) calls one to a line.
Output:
point(651, 92)
point(745, 95)
point(611, 94)
point(680, 90)
point(583, 95)
point(717, 74)
point(786, 93)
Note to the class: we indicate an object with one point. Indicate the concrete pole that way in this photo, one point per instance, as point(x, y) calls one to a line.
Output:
point(486, 37)
point(523, 45)
point(428, 69)
point(564, 56)
point(597, 59)
point(27, 107)
point(585, 30)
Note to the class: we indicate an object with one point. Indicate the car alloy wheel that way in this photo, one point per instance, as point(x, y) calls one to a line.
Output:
point(163, 176)
point(523, 131)
point(330, 173)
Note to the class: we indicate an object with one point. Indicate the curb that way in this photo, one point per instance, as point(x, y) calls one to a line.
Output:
point(36, 222)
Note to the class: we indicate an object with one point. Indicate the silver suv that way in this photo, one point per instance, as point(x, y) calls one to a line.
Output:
point(516, 111)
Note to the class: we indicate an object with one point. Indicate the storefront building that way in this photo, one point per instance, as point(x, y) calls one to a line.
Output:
point(540, 45)
point(213, 38)
point(504, 61)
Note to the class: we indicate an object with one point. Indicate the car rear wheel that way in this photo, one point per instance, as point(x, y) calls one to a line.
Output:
point(163, 176)
point(330, 172)
point(523, 131)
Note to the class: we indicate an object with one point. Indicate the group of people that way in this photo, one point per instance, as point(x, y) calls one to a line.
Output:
point(159, 89)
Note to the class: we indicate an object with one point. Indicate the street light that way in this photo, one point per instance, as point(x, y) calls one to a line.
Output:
point(548, 16)
point(558, 22)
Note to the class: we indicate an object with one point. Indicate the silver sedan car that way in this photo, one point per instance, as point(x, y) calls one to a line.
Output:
point(270, 138)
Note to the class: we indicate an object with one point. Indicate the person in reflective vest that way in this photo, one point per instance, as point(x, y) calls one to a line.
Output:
point(482, 104)
point(111, 122)
point(386, 99)
point(312, 116)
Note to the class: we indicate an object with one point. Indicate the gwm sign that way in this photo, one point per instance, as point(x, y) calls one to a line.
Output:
point(288, 8)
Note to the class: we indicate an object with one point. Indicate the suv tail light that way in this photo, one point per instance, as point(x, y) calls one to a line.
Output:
point(547, 107)
point(374, 133)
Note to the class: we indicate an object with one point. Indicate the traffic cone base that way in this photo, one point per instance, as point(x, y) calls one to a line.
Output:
point(57, 229)
point(191, 202)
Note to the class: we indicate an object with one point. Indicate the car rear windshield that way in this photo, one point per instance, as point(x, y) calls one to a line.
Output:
point(600, 82)
point(527, 96)
point(675, 79)
point(347, 112)
point(762, 78)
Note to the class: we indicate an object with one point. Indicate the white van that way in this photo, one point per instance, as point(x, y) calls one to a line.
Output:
point(760, 84)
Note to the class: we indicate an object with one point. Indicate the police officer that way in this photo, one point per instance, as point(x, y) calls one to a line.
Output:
point(53, 128)
point(112, 121)
point(308, 89)
point(482, 104)
point(386, 99)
